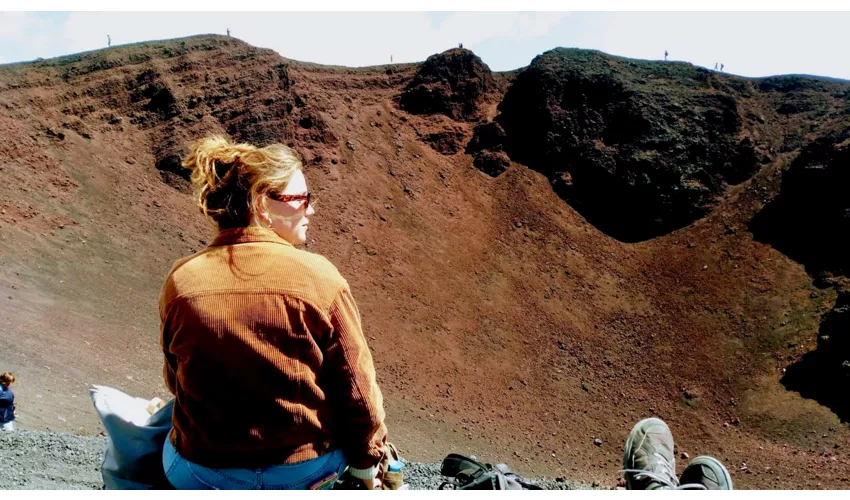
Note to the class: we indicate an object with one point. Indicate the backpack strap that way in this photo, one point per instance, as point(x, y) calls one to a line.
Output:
point(484, 480)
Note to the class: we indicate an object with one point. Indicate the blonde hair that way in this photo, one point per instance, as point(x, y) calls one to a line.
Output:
point(7, 378)
point(229, 178)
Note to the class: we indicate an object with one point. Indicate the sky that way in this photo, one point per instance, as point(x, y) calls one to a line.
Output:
point(747, 43)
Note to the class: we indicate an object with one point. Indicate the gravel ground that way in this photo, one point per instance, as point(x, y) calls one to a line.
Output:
point(423, 476)
point(37, 460)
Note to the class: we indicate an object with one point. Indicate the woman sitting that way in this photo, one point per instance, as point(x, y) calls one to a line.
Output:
point(274, 383)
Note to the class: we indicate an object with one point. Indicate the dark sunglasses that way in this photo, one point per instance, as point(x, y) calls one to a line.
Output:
point(292, 197)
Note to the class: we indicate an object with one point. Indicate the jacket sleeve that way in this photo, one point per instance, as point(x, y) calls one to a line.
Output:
point(353, 392)
point(169, 365)
point(169, 374)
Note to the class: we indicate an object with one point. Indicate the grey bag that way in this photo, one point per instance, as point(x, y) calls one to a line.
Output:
point(133, 458)
point(467, 473)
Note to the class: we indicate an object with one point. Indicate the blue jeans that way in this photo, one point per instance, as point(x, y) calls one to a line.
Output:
point(318, 473)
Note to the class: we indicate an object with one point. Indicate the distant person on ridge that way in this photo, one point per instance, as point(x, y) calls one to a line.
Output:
point(7, 402)
point(715, 66)
point(649, 462)
point(228, 31)
point(721, 67)
point(460, 45)
point(264, 350)
point(108, 41)
point(665, 54)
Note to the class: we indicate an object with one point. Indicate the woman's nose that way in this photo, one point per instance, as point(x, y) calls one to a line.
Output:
point(310, 209)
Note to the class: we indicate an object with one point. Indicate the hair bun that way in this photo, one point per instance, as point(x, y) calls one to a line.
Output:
point(226, 194)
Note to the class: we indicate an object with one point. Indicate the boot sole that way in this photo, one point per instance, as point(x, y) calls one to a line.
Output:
point(719, 466)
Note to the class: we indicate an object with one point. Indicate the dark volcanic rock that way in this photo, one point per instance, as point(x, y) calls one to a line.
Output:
point(824, 374)
point(809, 221)
point(639, 148)
point(168, 155)
point(447, 142)
point(259, 106)
point(491, 163)
point(162, 102)
point(810, 218)
point(799, 95)
point(486, 136)
point(454, 83)
point(154, 95)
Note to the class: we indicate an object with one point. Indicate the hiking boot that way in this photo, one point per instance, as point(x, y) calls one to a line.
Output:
point(708, 472)
point(648, 459)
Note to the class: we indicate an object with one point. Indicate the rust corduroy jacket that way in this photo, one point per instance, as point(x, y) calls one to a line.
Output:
point(265, 354)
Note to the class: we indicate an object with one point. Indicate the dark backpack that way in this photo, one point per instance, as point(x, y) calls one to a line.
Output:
point(466, 473)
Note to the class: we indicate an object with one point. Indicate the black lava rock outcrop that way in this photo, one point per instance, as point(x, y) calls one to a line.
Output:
point(487, 136)
point(491, 163)
point(824, 374)
point(487, 149)
point(809, 220)
point(447, 142)
point(454, 83)
point(639, 148)
point(799, 95)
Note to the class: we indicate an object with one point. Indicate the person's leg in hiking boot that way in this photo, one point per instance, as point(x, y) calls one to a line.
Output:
point(648, 459)
point(650, 463)
point(708, 472)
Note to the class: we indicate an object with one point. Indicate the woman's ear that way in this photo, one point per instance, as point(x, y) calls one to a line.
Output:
point(261, 211)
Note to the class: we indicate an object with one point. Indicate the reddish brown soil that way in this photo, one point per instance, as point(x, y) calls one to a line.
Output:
point(502, 323)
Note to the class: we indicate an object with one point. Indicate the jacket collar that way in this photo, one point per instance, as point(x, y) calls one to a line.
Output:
point(250, 234)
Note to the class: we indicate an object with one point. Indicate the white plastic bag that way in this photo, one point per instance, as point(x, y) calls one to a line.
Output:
point(133, 458)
